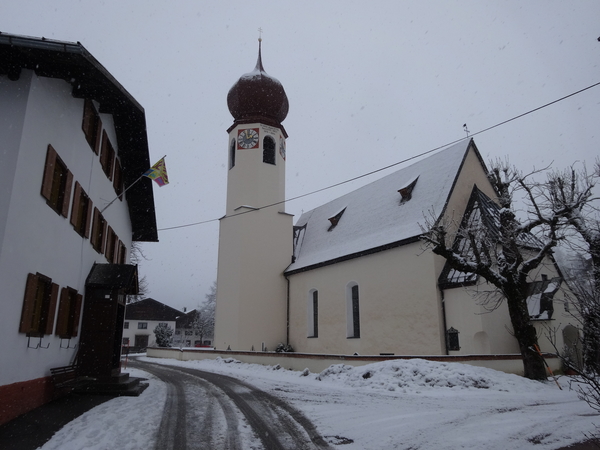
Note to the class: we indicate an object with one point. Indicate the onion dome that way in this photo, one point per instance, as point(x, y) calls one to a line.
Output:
point(258, 97)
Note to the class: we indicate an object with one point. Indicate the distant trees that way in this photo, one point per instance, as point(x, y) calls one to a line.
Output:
point(505, 248)
point(203, 324)
point(135, 257)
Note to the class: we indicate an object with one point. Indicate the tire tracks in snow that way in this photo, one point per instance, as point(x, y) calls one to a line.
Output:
point(216, 424)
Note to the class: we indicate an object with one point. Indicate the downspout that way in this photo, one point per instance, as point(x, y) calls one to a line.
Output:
point(287, 313)
point(444, 320)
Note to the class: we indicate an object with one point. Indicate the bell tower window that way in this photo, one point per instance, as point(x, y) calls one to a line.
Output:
point(232, 154)
point(269, 150)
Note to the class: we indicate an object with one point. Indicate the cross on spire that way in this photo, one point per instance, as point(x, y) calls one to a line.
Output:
point(260, 34)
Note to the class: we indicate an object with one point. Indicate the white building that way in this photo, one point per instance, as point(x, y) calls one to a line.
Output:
point(352, 276)
point(141, 318)
point(71, 138)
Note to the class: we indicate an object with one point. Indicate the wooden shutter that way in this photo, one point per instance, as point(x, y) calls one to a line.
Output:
point(51, 309)
point(48, 173)
point(76, 205)
point(77, 315)
point(88, 219)
point(62, 323)
point(28, 303)
point(67, 197)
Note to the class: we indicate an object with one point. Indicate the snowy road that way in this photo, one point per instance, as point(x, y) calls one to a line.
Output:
point(207, 410)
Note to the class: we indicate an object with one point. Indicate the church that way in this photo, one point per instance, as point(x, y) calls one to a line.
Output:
point(353, 276)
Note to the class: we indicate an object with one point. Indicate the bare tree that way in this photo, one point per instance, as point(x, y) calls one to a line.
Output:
point(496, 245)
point(204, 321)
point(572, 191)
point(135, 257)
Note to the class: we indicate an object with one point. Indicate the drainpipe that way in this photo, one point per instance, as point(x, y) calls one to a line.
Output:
point(287, 313)
point(444, 320)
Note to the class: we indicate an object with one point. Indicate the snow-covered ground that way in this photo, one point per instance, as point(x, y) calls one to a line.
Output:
point(402, 404)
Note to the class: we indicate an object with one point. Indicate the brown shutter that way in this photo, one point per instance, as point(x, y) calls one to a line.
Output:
point(62, 323)
point(28, 302)
point(95, 228)
point(52, 309)
point(88, 219)
point(76, 204)
point(77, 315)
point(98, 130)
point(104, 233)
point(67, 197)
point(48, 173)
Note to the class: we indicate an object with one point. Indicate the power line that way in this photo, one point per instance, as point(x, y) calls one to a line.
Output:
point(394, 164)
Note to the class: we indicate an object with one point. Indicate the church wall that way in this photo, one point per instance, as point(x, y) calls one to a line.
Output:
point(399, 305)
point(251, 290)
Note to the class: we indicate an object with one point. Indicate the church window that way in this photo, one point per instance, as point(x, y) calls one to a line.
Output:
point(313, 313)
point(452, 339)
point(57, 182)
point(352, 311)
point(269, 150)
point(232, 154)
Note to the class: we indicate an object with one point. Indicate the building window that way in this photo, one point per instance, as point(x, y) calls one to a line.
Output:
point(352, 311)
point(126, 341)
point(232, 155)
point(69, 310)
point(334, 220)
point(118, 179)
point(142, 325)
point(107, 156)
point(406, 191)
point(189, 333)
point(39, 306)
point(269, 150)
point(313, 313)
point(122, 256)
point(57, 182)
point(98, 237)
point(126, 325)
point(81, 212)
point(178, 332)
point(91, 125)
point(111, 251)
point(452, 336)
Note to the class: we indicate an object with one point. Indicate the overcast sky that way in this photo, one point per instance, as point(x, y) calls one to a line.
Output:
point(369, 83)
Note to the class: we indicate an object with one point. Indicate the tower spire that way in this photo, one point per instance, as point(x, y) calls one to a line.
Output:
point(259, 65)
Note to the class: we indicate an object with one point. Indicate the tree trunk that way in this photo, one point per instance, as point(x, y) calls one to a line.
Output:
point(533, 364)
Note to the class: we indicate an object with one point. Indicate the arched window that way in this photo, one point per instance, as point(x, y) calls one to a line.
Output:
point(352, 311)
point(313, 313)
point(269, 150)
point(232, 154)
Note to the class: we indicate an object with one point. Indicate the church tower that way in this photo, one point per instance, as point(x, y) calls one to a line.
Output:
point(255, 235)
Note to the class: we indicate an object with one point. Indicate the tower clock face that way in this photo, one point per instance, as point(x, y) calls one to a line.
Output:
point(248, 138)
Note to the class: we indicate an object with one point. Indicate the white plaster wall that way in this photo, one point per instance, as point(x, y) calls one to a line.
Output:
point(399, 305)
point(133, 330)
point(36, 238)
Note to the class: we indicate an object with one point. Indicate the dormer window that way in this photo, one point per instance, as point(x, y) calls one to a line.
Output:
point(406, 191)
point(335, 219)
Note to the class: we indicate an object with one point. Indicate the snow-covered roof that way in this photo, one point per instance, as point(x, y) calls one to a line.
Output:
point(374, 215)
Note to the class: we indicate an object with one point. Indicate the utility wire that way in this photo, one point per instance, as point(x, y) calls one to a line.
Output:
point(391, 165)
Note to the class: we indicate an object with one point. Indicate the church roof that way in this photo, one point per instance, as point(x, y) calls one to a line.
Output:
point(383, 214)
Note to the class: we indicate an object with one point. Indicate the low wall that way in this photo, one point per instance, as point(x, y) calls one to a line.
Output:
point(319, 362)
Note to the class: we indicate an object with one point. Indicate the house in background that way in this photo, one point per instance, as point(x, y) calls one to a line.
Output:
point(72, 138)
point(141, 318)
point(193, 330)
point(360, 279)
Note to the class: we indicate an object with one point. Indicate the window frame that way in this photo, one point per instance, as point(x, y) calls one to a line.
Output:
point(313, 313)
point(56, 191)
point(352, 311)
point(69, 312)
point(98, 236)
point(269, 153)
point(81, 212)
point(39, 308)
point(142, 325)
point(91, 125)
